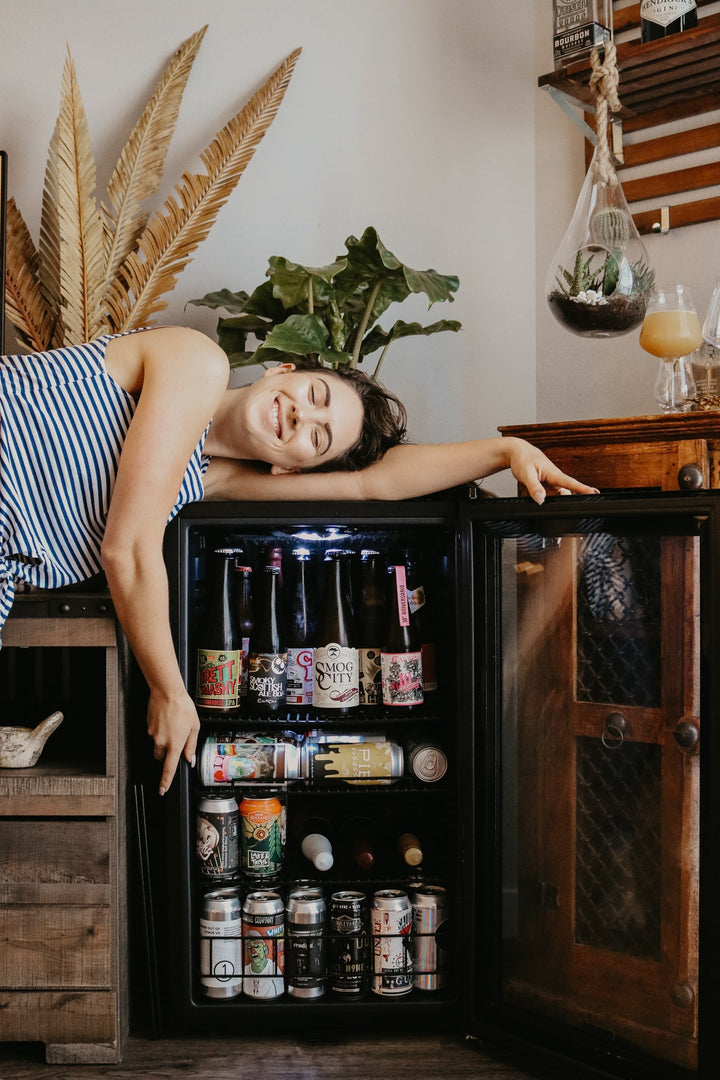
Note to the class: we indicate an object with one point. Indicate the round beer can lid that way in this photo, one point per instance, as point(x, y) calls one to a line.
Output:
point(428, 763)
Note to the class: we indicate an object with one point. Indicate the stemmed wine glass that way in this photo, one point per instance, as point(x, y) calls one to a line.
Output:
point(671, 331)
point(711, 326)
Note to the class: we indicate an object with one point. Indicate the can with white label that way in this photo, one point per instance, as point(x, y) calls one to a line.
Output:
point(221, 944)
point(429, 905)
point(391, 925)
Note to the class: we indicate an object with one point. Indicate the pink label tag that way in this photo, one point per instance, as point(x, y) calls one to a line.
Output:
point(401, 588)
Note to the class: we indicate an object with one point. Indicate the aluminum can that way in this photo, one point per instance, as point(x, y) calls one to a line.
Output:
point(221, 944)
point(358, 762)
point(263, 929)
point(305, 953)
point(429, 906)
point(391, 924)
point(217, 837)
point(262, 837)
point(348, 967)
point(232, 756)
point(427, 762)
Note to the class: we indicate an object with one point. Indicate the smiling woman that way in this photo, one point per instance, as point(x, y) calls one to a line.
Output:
point(104, 443)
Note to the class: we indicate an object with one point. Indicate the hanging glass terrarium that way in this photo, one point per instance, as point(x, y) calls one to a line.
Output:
point(600, 282)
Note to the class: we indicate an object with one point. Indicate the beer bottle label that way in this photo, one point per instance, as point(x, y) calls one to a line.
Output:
point(244, 666)
point(267, 678)
point(300, 676)
point(663, 12)
point(370, 677)
point(402, 678)
point(218, 678)
point(336, 678)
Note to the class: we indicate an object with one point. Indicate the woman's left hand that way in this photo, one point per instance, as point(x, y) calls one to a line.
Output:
point(539, 476)
point(173, 726)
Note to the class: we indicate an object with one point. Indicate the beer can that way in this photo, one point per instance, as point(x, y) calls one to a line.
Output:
point(348, 967)
point(262, 837)
point(426, 762)
point(429, 906)
point(232, 756)
point(217, 837)
point(221, 944)
point(305, 954)
point(391, 924)
point(263, 930)
point(358, 762)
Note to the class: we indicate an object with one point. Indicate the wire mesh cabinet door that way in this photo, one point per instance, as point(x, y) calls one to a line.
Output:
point(600, 787)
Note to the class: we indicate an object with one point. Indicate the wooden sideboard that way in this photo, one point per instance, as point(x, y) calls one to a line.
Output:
point(63, 918)
point(676, 452)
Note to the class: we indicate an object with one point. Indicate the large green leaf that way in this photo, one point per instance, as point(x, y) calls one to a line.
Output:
point(233, 302)
point(291, 283)
point(299, 334)
point(379, 338)
point(437, 287)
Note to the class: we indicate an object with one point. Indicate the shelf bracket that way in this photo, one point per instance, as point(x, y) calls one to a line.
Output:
point(564, 102)
point(663, 225)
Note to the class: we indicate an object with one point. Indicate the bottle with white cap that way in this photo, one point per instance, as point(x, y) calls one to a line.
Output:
point(316, 844)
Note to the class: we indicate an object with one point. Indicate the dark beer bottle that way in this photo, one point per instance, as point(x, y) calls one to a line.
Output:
point(219, 654)
point(335, 666)
point(243, 590)
point(401, 658)
point(300, 627)
point(659, 19)
point(267, 665)
point(371, 625)
point(358, 838)
point(420, 613)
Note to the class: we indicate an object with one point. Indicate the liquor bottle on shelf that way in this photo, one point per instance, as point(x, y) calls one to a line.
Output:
point(660, 18)
point(335, 668)
point(267, 665)
point(401, 658)
point(420, 611)
point(315, 842)
point(371, 625)
point(219, 654)
point(300, 627)
point(579, 27)
point(243, 591)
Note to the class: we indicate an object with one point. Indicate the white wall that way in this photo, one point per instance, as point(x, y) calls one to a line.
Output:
point(416, 116)
point(579, 378)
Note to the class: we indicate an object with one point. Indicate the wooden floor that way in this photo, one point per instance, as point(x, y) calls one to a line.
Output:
point(420, 1057)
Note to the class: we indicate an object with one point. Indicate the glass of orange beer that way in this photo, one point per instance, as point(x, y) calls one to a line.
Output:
point(671, 331)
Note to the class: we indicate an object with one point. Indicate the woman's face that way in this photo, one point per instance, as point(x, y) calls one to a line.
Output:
point(300, 419)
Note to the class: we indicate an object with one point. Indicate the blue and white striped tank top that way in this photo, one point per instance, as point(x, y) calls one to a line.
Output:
point(63, 421)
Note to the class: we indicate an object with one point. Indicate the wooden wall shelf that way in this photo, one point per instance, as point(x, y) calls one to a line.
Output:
point(661, 82)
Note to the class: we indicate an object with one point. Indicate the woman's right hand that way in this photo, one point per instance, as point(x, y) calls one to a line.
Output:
point(173, 726)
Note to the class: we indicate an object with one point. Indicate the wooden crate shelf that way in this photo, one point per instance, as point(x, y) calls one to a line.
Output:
point(661, 82)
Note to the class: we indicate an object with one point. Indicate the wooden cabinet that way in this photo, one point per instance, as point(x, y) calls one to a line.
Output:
point(678, 452)
point(63, 921)
point(609, 757)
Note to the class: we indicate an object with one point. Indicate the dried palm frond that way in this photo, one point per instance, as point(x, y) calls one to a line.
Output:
point(140, 166)
point(99, 269)
point(26, 305)
point(71, 237)
point(173, 234)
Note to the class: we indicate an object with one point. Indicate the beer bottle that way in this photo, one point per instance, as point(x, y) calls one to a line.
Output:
point(267, 665)
point(219, 654)
point(658, 18)
point(400, 659)
point(371, 619)
point(358, 836)
point(335, 666)
point(316, 842)
point(420, 612)
point(300, 628)
point(245, 618)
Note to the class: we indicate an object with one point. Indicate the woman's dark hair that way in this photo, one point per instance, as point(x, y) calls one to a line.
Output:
point(384, 420)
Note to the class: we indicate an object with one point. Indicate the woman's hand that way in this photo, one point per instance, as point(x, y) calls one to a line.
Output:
point(173, 726)
point(538, 474)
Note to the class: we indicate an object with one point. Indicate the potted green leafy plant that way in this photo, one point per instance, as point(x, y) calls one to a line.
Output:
point(327, 313)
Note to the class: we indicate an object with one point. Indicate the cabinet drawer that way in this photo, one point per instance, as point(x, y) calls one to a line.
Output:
point(54, 946)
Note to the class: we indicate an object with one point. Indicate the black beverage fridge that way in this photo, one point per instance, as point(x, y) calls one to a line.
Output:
point(560, 783)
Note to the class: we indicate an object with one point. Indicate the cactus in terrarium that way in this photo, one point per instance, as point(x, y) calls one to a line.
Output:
point(610, 228)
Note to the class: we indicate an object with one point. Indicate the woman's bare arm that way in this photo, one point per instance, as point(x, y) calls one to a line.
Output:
point(183, 377)
point(406, 471)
